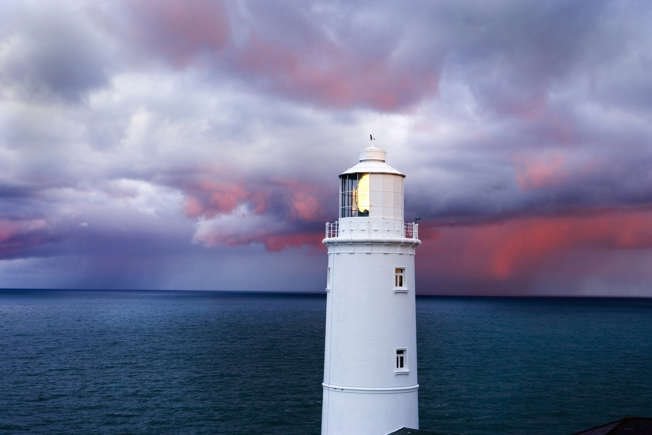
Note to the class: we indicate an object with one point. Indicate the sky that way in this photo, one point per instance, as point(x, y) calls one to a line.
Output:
point(177, 144)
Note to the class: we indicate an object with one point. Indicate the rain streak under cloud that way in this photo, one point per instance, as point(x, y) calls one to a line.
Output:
point(196, 144)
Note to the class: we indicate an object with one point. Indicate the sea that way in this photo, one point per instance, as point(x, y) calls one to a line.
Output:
point(237, 363)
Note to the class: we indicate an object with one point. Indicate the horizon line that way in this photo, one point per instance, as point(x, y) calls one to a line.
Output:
point(320, 293)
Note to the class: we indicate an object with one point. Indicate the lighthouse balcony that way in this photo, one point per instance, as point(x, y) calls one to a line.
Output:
point(365, 229)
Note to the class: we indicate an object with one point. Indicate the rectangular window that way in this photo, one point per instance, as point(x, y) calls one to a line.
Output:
point(354, 195)
point(401, 359)
point(399, 278)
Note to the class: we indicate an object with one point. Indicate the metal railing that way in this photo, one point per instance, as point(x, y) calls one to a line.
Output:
point(332, 229)
point(410, 230)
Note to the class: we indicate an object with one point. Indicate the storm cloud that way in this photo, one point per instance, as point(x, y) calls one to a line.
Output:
point(177, 144)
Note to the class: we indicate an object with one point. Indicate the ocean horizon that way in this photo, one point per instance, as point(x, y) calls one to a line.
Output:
point(318, 293)
point(145, 361)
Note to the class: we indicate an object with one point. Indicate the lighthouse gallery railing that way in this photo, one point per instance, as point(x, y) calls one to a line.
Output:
point(410, 230)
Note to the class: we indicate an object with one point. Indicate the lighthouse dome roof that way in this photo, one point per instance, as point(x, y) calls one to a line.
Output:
point(372, 160)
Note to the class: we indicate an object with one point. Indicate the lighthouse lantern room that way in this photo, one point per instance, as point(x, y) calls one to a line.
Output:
point(370, 359)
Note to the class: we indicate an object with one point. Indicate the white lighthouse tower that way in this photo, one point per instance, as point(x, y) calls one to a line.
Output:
point(370, 359)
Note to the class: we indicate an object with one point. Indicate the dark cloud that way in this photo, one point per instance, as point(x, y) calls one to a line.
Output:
point(8, 191)
point(52, 53)
point(515, 53)
point(20, 238)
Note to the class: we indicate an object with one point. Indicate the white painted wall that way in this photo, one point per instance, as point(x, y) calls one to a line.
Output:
point(369, 412)
point(386, 194)
point(367, 319)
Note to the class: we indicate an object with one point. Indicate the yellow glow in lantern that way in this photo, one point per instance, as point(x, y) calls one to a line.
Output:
point(362, 197)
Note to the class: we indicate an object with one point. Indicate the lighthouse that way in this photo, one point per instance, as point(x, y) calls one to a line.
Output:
point(370, 359)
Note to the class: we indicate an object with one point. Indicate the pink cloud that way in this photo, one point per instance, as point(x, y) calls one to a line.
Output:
point(208, 198)
point(181, 30)
point(279, 242)
point(304, 202)
point(334, 75)
point(247, 229)
point(272, 242)
point(315, 68)
point(9, 229)
point(544, 171)
point(517, 249)
point(193, 207)
point(16, 236)
point(272, 212)
point(552, 169)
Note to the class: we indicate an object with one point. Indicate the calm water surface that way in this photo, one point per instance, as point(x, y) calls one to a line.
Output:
point(214, 363)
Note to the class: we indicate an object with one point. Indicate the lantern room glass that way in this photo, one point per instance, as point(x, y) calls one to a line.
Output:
point(354, 195)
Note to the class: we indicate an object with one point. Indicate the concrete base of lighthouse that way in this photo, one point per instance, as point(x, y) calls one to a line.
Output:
point(369, 411)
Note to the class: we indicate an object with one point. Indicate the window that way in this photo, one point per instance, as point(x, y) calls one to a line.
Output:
point(401, 359)
point(354, 195)
point(399, 278)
